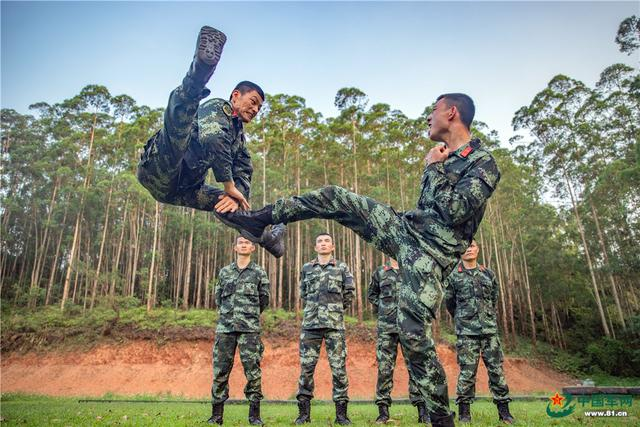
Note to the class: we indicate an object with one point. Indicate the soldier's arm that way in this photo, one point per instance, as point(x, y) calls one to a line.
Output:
point(373, 295)
point(495, 290)
point(242, 171)
point(303, 287)
point(457, 202)
point(263, 291)
point(348, 287)
point(218, 292)
point(219, 126)
point(450, 296)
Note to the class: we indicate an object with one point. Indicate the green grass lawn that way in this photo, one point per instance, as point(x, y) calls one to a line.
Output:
point(46, 411)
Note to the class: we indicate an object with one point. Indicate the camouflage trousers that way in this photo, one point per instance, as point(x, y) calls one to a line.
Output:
point(224, 349)
point(160, 169)
point(387, 354)
point(421, 290)
point(335, 343)
point(469, 349)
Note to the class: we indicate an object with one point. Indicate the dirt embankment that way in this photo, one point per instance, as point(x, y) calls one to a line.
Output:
point(185, 368)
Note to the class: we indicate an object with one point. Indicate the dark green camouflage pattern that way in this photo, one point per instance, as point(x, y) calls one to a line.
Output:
point(326, 292)
point(383, 295)
point(427, 243)
point(194, 139)
point(241, 295)
point(224, 349)
point(387, 354)
point(469, 349)
point(335, 343)
point(471, 297)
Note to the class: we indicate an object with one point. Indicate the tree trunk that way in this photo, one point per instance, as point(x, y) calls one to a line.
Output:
point(150, 301)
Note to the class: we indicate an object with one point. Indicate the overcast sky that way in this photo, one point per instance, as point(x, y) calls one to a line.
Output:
point(403, 54)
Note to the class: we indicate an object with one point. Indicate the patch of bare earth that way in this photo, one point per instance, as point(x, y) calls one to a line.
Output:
point(184, 368)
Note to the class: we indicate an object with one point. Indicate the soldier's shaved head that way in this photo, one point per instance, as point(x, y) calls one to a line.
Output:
point(464, 105)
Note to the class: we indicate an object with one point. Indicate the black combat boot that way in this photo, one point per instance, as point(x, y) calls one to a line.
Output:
point(504, 414)
point(442, 420)
point(341, 414)
point(383, 414)
point(423, 415)
point(464, 408)
point(254, 226)
point(304, 412)
point(254, 413)
point(208, 51)
point(217, 410)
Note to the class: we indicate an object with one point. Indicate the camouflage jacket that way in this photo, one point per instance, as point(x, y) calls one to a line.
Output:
point(219, 143)
point(471, 297)
point(452, 201)
point(241, 295)
point(383, 294)
point(326, 291)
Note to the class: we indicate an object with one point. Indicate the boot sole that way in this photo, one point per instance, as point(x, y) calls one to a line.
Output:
point(210, 45)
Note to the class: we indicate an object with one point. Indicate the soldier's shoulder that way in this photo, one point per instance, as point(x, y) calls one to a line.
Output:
point(217, 107)
point(307, 266)
point(225, 270)
point(257, 267)
point(341, 265)
point(487, 271)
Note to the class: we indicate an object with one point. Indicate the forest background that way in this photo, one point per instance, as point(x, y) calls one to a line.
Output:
point(78, 230)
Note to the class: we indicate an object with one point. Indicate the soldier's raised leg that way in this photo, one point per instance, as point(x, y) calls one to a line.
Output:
point(468, 355)
point(160, 163)
point(337, 355)
point(224, 350)
point(251, 349)
point(493, 359)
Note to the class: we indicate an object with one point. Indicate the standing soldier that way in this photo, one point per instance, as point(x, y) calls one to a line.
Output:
point(472, 299)
point(242, 293)
point(383, 294)
point(458, 179)
point(195, 138)
point(326, 289)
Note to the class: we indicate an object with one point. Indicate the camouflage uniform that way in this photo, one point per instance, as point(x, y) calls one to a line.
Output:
point(326, 291)
point(383, 294)
point(426, 241)
point(241, 295)
point(194, 138)
point(472, 299)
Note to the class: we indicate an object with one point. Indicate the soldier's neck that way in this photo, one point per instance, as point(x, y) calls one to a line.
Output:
point(243, 261)
point(458, 137)
point(324, 259)
point(470, 265)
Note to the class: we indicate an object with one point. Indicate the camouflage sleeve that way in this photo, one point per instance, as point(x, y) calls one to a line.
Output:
point(303, 287)
point(242, 171)
point(457, 202)
point(495, 291)
point(218, 291)
point(373, 295)
point(216, 127)
point(450, 296)
point(348, 286)
point(263, 291)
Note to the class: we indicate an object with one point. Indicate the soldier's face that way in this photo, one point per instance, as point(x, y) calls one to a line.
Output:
point(439, 119)
point(471, 253)
point(244, 246)
point(246, 105)
point(324, 245)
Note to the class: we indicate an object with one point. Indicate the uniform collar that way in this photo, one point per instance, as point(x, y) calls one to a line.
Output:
point(387, 266)
point(249, 266)
point(315, 261)
point(479, 267)
point(466, 149)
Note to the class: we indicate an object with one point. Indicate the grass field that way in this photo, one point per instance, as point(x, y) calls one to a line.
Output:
point(25, 410)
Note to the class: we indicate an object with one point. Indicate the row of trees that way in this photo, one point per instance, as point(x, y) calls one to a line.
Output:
point(78, 227)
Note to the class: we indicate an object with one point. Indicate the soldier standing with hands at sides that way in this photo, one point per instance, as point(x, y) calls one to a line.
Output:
point(241, 294)
point(383, 295)
point(326, 289)
point(472, 300)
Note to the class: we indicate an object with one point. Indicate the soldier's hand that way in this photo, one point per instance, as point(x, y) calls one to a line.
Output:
point(237, 195)
point(226, 204)
point(439, 153)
